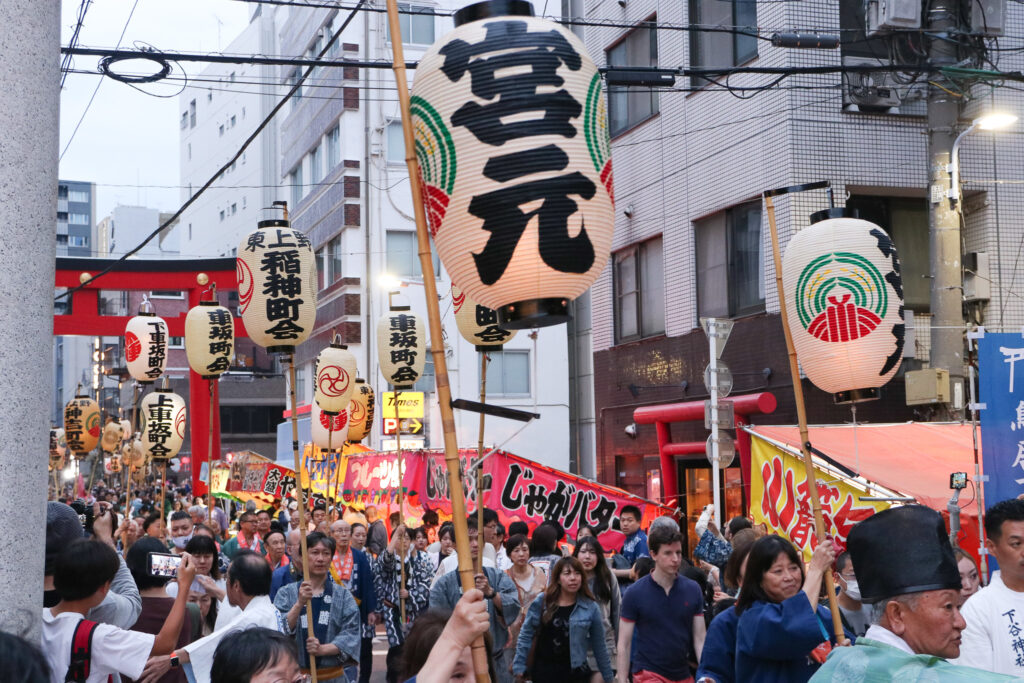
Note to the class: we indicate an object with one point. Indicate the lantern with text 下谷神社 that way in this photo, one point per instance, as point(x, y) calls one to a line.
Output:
point(844, 299)
point(360, 412)
point(277, 286)
point(209, 339)
point(478, 324)
point(145, 346)
point(81, 425)
point(163, 414)
point(328, 431)
point(401, 347)
point(335, 378)
point(512, 140)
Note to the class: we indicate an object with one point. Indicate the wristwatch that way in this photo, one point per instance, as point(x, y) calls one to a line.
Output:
point(175, 662)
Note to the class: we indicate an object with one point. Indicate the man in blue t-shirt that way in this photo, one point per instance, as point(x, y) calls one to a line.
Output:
point(636, 542)
point(660, 614)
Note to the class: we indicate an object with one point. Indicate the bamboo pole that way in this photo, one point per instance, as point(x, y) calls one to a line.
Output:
point(209, 460)
point(444, 392)
point(299, 469)
point(480, 468)
point(131, 439)
point(163, 487)
point(401, 515)
point(801, 415)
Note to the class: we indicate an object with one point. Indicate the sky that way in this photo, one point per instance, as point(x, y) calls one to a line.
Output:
point(128, 141)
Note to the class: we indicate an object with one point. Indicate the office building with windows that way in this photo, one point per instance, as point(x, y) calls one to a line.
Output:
point(76, 218)
point(692, 239)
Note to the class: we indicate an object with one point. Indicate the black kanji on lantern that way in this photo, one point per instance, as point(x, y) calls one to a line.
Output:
point(517, 64)
point(487, 318)
point(283, 284)
point(157, 349)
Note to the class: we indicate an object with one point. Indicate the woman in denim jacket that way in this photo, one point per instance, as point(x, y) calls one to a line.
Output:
point(561, 626)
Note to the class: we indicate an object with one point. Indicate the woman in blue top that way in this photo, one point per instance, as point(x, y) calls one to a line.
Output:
point(565, 623)
point(782, 632)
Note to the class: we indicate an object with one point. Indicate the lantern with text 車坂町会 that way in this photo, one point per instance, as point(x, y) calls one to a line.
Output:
point(209, 339)
point(145, 347)
point(277, 286)
point(478, 324)
point(360, 412)
point(163, 414)
point(335, 378)
point(81, 425)
point(328, 431)
point(512, 140)
point(844, 300)
point(401, 347)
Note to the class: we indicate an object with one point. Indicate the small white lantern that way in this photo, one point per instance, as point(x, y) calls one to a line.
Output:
point(335, 378)
point(164, 416)
point(145, 345)
point(209, 338)
point(360, 412)
point(401, 347)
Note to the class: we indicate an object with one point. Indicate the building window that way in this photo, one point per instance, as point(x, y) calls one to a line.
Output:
point(295, 181)
point(209, 95)
point(639, 286)
point(167, 294)
point(184, 120)
point(78, 241)
point(222, 214)
point(222, 129)
point(234, 209)
point(573, 9)
point(232, 121)
point(628, 106)
point(508, 373)
point(403, 259)
point(906, 221)
point(426, 381)
point(396, 143)
point(333, 148)
point(334, 256)
point(192, 114)
point(80, 196)
point(730, 262)
point(321, 273)
point(719, 49)
point(78, 218)
point(293, 78)
point(316, 173)
point(175, 342)
point(417, 24)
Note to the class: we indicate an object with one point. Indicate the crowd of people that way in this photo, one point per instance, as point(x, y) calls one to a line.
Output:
point(744, 606)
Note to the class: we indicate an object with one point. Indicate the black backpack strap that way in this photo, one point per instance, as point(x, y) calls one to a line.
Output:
point(81, 652)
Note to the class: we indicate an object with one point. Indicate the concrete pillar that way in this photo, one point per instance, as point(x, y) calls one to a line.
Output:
point(29, 98)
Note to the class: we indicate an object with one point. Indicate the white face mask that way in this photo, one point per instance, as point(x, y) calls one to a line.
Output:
point(180, 542)
point(852, 589)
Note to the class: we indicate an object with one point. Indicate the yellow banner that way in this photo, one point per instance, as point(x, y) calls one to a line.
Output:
point(779, 498)
point(410, 404)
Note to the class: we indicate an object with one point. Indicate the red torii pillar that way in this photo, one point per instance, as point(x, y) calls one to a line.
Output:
point(661, 416)
point(142, 275)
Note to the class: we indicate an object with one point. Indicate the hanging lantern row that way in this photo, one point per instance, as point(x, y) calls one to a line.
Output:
point(335, 378)
point(478, 324)
point(163, 413)
point(277, 286)
point(401, 347)
point(844, 298)
point(81, 425)
point(328, 431)
point(145, 345)
point(360, 411)
point(209, 337)
point(515, 162)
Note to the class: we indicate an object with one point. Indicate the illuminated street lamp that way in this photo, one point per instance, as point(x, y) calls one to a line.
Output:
point(992, 121)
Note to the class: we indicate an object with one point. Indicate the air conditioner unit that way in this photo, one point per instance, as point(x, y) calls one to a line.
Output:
point(885, 15)
point(871, 89)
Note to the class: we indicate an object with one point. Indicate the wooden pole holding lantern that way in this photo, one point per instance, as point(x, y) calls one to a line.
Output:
point(209, 460)
point(480, 468)
point(444, 392)
point(801, 411)
point(401, 515)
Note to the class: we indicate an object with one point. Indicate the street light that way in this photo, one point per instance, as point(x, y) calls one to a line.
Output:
point(992, 121)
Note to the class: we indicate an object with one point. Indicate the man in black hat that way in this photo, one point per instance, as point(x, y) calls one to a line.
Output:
point(915, 603)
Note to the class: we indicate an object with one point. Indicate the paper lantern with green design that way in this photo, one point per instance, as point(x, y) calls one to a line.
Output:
point(844, 300)
point(81, 425)
point(515, 160)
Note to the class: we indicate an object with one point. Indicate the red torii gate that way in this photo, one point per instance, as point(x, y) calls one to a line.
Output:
point(143, 275)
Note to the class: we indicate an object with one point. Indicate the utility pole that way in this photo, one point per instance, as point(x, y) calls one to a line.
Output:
point(947, 345)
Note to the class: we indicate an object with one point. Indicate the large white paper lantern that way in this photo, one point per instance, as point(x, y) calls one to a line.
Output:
point(360, 411)
point(145, 347)
point(81, 425)
point(209, 339)
point(329, 431)
point(478, 324)
point(515, 158)
point(164, 415)
point(335, 378)
point(401, 347)
point(844, 300)
point(277, 286)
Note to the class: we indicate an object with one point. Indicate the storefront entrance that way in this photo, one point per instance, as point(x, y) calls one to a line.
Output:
point(695, 492)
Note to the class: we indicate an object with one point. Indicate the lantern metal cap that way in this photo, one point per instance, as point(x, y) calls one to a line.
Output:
point(209, 303)
point(281, 349)
point(523, 315)
point(274, 223)
point(401, 307)
point(493, 8)
point(856, 395)
point(834, 212)
point(360, 380)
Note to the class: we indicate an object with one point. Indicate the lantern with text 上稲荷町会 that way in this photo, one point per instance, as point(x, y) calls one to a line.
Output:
point(478, 324)
point(209, 339)
point(515, 158)
point(145, 347)
point(335, 378)
point(401, 347)
point(360, 411)
point(277, 286)
point(81, 425)
point(328, 431)
point(163, 413)
point(844, 300)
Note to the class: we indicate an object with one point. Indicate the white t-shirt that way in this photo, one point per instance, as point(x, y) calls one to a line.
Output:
point(995, 623)
point(114, 650)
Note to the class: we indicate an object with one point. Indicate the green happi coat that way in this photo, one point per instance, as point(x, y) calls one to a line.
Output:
point(870, 661)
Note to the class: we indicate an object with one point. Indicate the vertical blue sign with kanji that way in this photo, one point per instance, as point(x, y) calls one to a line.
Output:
point(1001, 384)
